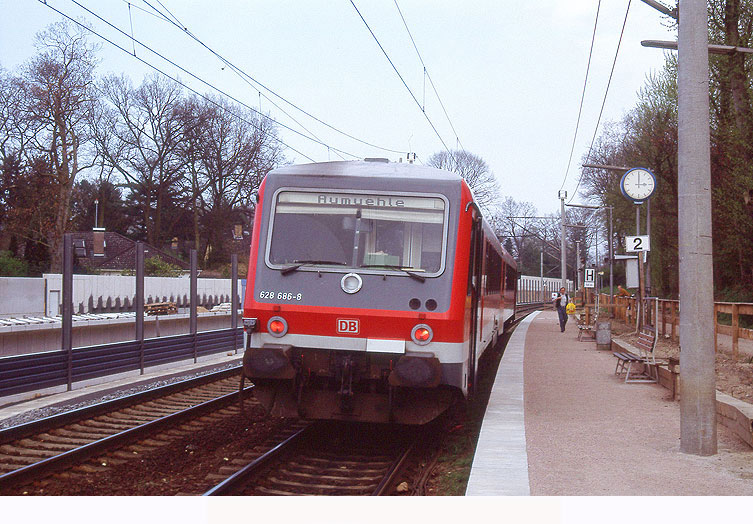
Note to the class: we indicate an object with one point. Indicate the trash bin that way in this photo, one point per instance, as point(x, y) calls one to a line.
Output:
point(604, 335)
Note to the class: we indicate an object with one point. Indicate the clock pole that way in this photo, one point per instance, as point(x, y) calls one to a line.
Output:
point(637, 185)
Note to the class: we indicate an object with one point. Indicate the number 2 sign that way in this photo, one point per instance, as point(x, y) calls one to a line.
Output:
point(635, 244)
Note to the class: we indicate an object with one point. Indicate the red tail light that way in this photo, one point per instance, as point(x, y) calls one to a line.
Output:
point(277, 326)
point(422, 334)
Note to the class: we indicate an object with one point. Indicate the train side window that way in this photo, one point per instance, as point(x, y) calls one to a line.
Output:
point(510, 284)
point(493, 271)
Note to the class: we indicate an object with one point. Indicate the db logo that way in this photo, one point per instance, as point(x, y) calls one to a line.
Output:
point(347, 326)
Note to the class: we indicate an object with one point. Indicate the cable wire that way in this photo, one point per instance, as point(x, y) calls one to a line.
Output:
point(427, 75)
point(233, 68)
point(402, 80)
point(583, 95)
point(158, 70)
point(208, 84)
point(603, 103)
point(258, 86)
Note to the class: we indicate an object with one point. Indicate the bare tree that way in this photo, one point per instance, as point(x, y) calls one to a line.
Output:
point(138, 134)
point(475, 171)
point(235, 150)
point(58, 85)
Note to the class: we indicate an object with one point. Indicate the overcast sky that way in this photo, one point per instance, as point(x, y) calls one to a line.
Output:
point(509, 73)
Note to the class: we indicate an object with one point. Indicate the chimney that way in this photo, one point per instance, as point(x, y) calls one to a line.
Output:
point(99, 242)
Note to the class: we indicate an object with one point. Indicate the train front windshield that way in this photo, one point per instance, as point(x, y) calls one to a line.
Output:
point(355, 230)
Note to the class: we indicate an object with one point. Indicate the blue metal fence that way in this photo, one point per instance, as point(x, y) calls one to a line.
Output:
point(23, 373)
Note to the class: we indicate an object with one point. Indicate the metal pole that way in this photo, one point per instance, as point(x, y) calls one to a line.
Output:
point(67, 320)
point(648, 253)
point(597, 286)
point(698, 384)
point(641, 269)
point(563, 260)
point(194, 302)
point(541, 294)
point(140, 301)
point(234, 299)
point(611, 258)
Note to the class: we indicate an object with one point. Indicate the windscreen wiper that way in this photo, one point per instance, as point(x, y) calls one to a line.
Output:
point(299, 263)
point(411, 272)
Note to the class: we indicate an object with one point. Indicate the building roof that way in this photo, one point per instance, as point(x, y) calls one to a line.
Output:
point(119, 252)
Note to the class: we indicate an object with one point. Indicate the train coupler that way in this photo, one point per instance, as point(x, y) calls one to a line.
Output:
point(345, 394)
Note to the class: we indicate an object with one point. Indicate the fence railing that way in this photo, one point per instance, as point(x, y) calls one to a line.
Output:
point(24, 373)
point(668, 323)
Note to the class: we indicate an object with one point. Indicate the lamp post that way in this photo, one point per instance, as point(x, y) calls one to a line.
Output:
point(563, 261)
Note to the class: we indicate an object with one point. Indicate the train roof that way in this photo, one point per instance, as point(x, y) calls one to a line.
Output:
point(368, 169)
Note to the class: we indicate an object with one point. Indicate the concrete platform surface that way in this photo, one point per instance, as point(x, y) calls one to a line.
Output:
point(589, 433)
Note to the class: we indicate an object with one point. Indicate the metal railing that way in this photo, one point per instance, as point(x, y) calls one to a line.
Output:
point(668, 318)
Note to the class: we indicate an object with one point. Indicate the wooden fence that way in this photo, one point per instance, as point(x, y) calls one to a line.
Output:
point(668, 323)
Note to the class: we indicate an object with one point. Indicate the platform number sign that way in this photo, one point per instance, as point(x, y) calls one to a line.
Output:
point(590, 278)
point(638, 243)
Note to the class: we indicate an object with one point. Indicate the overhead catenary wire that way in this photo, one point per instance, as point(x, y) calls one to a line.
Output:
point(387, 56)
point(182, 84)
point(604, 101)
point(427, 75)
point(196, 77)
point(255, 85)
point(582, 96)
point(259, 85)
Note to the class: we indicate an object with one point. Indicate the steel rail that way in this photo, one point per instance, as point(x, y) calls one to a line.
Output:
point(64, 460)
point(235, 480)
point(101, 408)
point(396, 467)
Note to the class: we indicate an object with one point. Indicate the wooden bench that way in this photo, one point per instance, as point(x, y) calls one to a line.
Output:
point(641, 354)
point(587, 330)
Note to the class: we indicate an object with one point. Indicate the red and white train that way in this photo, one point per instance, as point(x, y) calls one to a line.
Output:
point(373, 289)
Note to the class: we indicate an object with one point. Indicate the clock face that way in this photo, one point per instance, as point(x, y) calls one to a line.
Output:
point(638, 184)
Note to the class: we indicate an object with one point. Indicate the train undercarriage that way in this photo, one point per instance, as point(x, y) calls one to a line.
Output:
point(347, 385)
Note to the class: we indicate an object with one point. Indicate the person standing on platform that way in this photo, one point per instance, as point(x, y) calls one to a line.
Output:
point(560, 304)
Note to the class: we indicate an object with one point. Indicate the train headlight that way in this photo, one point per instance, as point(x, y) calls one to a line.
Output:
point(422, 334)
point(277, 326)
point(351, 283)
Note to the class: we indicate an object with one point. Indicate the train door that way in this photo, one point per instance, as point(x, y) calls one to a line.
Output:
point(474, 288)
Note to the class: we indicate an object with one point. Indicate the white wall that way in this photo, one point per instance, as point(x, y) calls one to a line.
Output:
point(117, 286)
point(21, 296)
point(529, 287)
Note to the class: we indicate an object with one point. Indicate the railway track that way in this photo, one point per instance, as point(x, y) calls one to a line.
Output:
point(325, 459)
point(524, 309)
point(37, 449)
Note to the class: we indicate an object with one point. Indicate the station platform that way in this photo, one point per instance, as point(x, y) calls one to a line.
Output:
point(559, 422)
